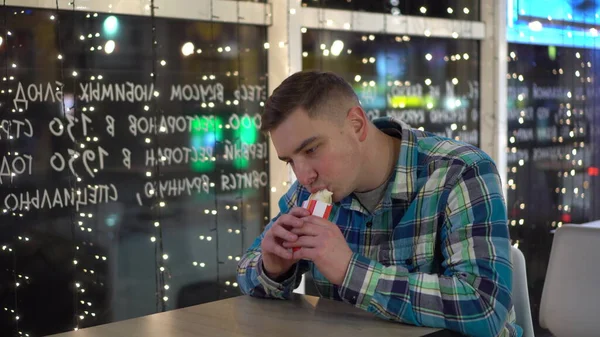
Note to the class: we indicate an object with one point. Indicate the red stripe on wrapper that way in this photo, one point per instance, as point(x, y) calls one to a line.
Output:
point(311, 206)
point(327, 212)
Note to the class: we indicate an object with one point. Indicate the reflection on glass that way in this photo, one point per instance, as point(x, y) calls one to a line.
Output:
point(428, 83)
point(133, 174)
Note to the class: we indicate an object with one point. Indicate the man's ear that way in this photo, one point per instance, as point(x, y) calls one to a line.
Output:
point(359, 122)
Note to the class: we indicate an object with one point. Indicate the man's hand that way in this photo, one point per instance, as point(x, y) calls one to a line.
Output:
point(323, 243)
point(277, 259)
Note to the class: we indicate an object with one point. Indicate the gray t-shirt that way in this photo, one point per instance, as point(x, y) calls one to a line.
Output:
point(371, 199)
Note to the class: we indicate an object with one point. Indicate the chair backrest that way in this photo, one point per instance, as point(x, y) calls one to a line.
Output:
point(592, 224)
point(520, 293)
point(570, 297)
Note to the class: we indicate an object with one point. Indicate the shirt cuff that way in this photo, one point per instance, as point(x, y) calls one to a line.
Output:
point(274, 288)
point(360, 281)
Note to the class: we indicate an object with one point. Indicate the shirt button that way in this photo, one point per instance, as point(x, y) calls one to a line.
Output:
point(408, 262)
point(369, 224)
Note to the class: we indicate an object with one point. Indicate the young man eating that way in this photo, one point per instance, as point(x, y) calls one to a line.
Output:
point(418, 230)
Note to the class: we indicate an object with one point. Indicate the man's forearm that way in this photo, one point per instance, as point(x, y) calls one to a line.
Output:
point(254, 281)
point(471, 304)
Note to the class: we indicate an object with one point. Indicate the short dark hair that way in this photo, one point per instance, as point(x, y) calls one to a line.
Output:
point(310, 90)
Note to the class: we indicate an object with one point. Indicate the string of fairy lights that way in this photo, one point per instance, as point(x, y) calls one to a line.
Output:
point(161, 257)
point(79, 286)
point(19, 279)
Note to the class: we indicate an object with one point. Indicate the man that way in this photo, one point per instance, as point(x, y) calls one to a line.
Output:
point(418, 232)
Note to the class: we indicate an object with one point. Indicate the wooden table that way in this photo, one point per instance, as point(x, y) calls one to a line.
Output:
point(248, 317)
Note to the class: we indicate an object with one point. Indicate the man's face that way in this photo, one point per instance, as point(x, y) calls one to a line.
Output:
point(324, 153)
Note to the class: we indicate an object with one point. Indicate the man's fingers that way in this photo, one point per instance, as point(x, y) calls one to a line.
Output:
point(284, 234)
point(304, 254)
point(272, 247)
point(299, 212)
point(317, 220)
point(282, 252)
point(289, 220)
point(307, 229)
point(303, 241)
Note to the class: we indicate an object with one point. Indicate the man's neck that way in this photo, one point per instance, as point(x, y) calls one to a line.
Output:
point(380, 160)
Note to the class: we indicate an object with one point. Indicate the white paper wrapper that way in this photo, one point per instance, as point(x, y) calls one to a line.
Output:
point(316, 208)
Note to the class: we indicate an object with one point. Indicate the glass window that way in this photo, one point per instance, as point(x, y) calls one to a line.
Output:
point(133, 173)
point(429, 83)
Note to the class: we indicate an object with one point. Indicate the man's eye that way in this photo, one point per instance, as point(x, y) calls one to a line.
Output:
point(311, 150)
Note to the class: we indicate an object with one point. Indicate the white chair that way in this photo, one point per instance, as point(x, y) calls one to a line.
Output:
point(520, 293)
point(592, 224)
point(570, 298)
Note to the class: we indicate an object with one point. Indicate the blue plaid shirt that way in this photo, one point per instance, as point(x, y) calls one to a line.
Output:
point(435, 252)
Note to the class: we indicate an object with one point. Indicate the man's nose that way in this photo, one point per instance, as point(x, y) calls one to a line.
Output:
point(305, 174)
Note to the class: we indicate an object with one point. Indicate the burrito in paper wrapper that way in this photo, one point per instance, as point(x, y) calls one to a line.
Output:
point(318, 204)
